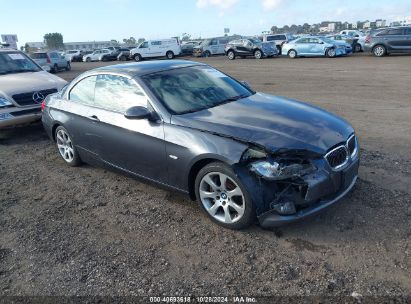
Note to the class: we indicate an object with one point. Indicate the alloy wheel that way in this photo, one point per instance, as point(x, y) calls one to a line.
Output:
point(65, 145)
point(231, 55)
point(258, 54)
point(379, 51)
point(222, 197)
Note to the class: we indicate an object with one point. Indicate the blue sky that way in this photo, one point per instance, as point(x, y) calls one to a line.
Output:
point(88, 20)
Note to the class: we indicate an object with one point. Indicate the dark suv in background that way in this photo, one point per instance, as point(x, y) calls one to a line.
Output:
point(391, 40)
point(249, 47)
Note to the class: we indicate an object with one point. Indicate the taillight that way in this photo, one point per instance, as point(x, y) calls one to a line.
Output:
point(48, 59)
point(368, 39)
point(43, 105)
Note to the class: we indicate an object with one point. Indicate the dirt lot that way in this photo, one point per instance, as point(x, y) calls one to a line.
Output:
point(89, 231)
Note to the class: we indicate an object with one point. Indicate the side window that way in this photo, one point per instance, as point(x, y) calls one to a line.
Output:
point(83, 91)
point(117, 94)
point(213, 42)
point(270, 38)
point(144, 45)
point(408, 31)
point(394, 32)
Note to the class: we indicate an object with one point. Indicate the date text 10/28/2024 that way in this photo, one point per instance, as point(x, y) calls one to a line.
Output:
point(190, 299)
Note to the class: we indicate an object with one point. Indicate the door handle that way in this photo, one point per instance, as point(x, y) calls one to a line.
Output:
point(94, 118)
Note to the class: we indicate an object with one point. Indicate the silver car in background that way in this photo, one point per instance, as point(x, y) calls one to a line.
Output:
point(315, 46)
point(23, 87)
point(54, 60)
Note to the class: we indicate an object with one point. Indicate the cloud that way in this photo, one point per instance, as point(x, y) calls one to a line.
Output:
point(269, 5)
point(220, 4)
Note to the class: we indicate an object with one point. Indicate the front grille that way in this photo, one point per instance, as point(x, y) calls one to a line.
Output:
point(26, 99)
point(337, 157)
point(352, 145)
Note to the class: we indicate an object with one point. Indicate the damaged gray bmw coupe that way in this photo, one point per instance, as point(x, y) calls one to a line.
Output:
point(189, 127)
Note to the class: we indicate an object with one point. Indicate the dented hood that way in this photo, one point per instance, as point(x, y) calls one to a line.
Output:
point(276, 123)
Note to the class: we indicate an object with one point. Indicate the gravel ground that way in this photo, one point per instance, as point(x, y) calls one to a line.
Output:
point(89, 231)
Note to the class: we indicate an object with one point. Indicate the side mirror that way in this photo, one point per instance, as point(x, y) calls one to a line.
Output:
point(137, 113)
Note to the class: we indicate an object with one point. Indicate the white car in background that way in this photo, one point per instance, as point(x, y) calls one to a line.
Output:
point(74, 55)
point(97, 55)
point(156, 48)
point(23, 87)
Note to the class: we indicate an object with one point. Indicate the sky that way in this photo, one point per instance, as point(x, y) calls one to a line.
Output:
point(93, 20)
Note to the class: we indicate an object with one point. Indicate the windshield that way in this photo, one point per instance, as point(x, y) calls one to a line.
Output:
point(255, 41)
point(195, 88)
point(16, 62)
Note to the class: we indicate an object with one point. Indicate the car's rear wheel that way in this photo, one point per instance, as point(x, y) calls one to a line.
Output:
point(68, 66)
point(137, 57)
point(207, 54)
point(55, 68)
point(331, 53)
point(258, 54)
point(88, 59)
point(379, 50)
point(292, 54)
point(357, 48)
point(66, 147)
point(170, 55)
point(223, 196)
point(231, 55)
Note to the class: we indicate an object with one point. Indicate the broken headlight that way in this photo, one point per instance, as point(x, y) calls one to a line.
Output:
point(279, 170)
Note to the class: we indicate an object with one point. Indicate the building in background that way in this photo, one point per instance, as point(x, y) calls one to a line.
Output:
point(88, 45)
point(401, 21)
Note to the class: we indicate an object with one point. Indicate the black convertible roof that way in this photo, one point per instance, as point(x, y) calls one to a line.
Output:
point(147, 67)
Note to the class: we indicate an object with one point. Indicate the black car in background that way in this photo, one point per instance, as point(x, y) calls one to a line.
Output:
point(250, 47)
point(189, 127)
point(391, 40)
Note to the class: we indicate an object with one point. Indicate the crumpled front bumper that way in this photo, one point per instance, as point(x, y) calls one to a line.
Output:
point(317, 197)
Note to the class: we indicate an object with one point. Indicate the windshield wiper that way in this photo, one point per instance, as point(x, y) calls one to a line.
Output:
point(234, 98)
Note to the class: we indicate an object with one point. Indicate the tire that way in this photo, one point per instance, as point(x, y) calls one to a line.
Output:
point(207, 54)
point(66, 148)
point(331, 53)
point(234, 211)
point(88, 59)
point(292, 54)
point(357, 48)
point(55, 68)
point(123, 58)
point(137, 57)
point(258, 54)
point(170, 55)
point(379, 50)
point(68, 66)
point(231, 55)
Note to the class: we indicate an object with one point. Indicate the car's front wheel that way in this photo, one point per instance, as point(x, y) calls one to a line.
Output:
point(292, 54)
point(137, 57)
point(231, 55)
point(66, 147)
point(258, 54)
point(331, 53)
point(223, 196)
